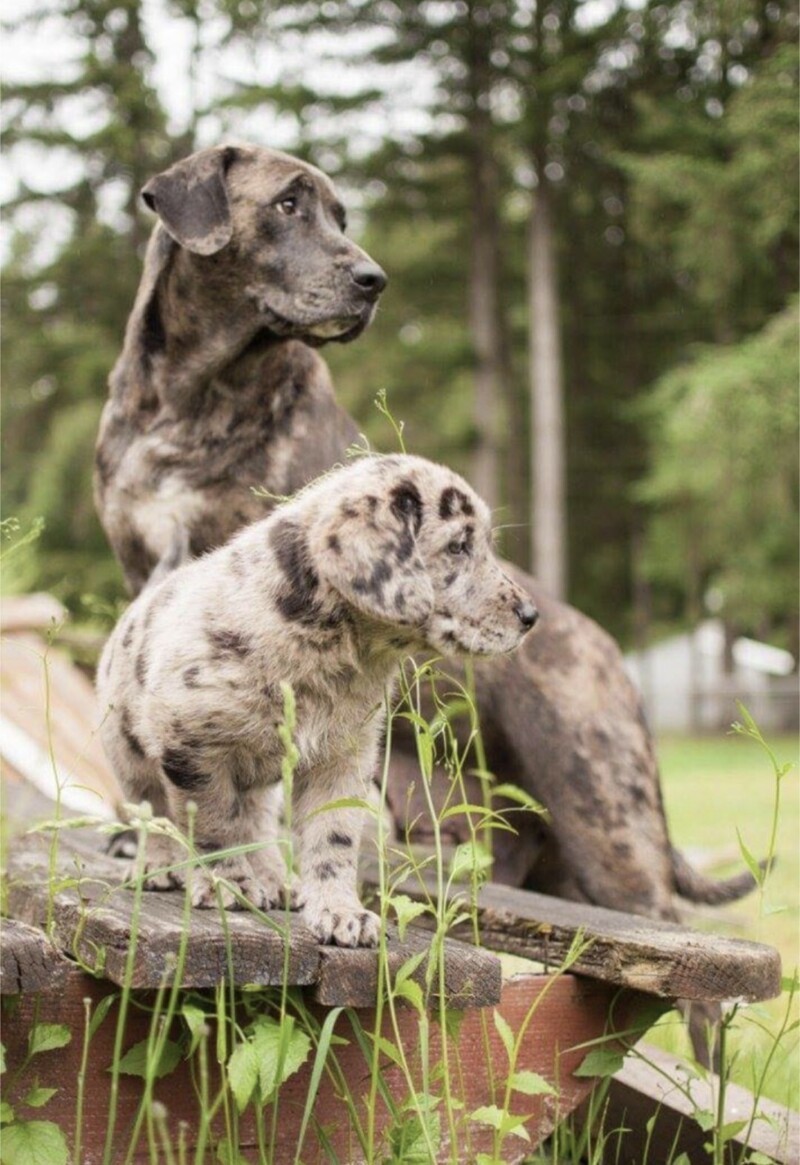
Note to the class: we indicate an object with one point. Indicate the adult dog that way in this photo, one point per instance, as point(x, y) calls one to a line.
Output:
point(218, 389)
point(384, 557)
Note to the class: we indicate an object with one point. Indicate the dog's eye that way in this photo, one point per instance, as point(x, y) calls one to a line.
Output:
point(288, 205)
point(458, 547)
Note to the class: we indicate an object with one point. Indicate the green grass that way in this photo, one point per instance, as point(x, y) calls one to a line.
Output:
point(712, 787)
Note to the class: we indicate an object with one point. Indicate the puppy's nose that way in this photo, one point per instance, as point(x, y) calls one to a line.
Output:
point(370, 278)
point(527, 614)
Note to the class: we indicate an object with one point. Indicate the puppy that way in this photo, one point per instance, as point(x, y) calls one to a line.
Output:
point(387, 556)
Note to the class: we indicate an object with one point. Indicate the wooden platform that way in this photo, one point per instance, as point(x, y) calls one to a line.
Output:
point(629, 971)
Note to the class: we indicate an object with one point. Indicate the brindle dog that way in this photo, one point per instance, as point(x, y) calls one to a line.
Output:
point(218, 390)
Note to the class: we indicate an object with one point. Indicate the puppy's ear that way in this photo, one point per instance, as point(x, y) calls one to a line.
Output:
point(368, 553)
point(191, 199)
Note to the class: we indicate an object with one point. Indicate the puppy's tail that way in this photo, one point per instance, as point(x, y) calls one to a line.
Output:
point(694, 886)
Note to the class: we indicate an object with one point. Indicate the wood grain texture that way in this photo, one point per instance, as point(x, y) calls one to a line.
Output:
point(28, 960)
point(652, 1086)
point(660, 958)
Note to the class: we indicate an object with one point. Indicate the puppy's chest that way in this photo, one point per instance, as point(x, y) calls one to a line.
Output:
point(331, 728)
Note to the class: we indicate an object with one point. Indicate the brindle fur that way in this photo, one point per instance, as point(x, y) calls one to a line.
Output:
point(332, 623)
point(217, 390)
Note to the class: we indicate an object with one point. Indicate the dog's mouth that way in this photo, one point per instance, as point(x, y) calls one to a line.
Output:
point(335, 329)
point(339, 329)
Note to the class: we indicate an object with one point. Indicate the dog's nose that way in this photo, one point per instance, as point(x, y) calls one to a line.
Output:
point(527, 614)
point(370, 278)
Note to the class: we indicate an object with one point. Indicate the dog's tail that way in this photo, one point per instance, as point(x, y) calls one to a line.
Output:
point(694, 886)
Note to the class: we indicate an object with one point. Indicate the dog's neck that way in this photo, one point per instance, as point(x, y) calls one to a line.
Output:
point(189, 331)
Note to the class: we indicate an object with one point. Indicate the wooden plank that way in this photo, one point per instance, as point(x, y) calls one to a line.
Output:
point(92, 918)
point(559, 1013)
point(472, 977)
point(655, 1088)
point(28, 960)
point(660, 958)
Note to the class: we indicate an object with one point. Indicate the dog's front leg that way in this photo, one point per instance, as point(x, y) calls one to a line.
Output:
point(328, 840)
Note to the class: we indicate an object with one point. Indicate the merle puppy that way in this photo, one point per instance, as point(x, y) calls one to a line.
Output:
point(387, 556)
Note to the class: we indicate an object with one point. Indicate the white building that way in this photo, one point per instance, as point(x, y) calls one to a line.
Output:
point(686, 688)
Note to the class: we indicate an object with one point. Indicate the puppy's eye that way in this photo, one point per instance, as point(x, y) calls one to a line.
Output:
point(288, 205)
point(458, 547)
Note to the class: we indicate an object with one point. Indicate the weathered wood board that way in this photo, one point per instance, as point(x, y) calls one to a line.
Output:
point(655, 1097)
point(660, 958)
point(93, 919)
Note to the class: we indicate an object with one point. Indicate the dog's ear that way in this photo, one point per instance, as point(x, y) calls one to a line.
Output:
point(367, 550)
point(191, 199)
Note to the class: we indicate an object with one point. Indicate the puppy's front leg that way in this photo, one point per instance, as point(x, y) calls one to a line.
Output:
point(329, 843)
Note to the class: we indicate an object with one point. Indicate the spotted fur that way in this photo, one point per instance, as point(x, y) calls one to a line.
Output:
point(282, 603)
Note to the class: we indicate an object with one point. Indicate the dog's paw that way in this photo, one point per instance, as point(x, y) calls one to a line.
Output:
point(345, 927)
point(234, 886)
point(159, 870)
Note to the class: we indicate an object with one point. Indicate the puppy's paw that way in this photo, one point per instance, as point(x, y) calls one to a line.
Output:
point(160, 864)
point(234, 885)
point(345, 927)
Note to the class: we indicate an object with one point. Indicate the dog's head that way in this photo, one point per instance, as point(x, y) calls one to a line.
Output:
point(408, 543)
point(273, 228)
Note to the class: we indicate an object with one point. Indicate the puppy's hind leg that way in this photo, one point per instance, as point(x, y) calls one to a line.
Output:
point(225, 819)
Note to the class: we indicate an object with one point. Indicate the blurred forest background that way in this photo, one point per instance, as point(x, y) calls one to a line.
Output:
point(588, 212)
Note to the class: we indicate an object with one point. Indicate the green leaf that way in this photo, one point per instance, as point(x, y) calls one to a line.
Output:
point(411, 991)
point(409, 967)
point(488, 1114)
point(515, 1125)
point(6, 1112)
point(468, 858)
point(505, 1033)
point(243, 1074)
point(406, 910)
point(100, 1013)
point(532, 1084)
point(2, 1058)
point(197, 1023)
point(512, 793)
point(269, 1039)
point(34, 1143)
point(600, 1062)
point(729, 1130)
point(135, 1060)
point(45, 1037)
point(749, 859)
point(705, 1118)
point(345, 803)
point(390, 1050)
point(38, 1097)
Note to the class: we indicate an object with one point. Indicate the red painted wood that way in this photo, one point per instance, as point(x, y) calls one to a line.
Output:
point(564, 1012)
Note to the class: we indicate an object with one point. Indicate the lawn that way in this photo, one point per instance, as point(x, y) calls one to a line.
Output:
point(712, 787)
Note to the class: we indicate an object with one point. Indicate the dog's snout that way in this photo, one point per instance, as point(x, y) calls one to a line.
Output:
point(527, 614)
point(370, 278)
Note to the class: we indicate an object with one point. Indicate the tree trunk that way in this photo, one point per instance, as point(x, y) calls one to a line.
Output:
point(548, 513)
point(484, 274)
